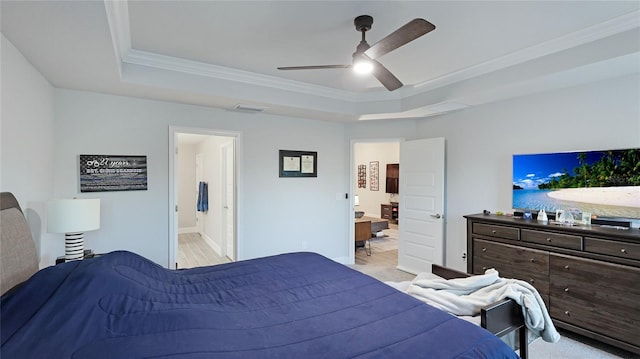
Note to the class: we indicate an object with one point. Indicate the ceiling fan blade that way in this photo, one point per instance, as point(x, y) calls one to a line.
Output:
point(314, 67)
point(386, 78)
point(407, 33)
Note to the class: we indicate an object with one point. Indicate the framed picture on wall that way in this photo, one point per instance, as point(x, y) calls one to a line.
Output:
point(375, 176)
point(106, 173)
point(362, 176)
point(298, 163)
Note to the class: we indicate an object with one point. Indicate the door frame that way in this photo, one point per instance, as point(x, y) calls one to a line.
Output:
point(199, 169)
point(227, 157)
point(352, 181)
point(173, 175)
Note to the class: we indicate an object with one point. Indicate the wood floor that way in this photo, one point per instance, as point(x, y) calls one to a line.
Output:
point(193, 251)
point(381, 264)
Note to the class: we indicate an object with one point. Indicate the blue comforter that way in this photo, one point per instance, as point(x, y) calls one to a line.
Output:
point(298, 305)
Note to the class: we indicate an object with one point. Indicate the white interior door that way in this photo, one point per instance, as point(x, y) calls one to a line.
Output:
point(421, 207)
point(228, 210)
point(199, 178)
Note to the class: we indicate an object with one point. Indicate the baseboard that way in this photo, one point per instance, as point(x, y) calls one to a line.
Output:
point(404, 269)
point(343, 260)
point(212, 244)
point(184, 230)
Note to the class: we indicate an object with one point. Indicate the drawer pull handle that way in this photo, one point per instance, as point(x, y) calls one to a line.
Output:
point(566, 267)
point(623, 250)
point(531, 280)
point(484, 249)
point(549, 240)
point(532, 260)
point(566, 289)
point(566, 312)
point(494, 231)
point(484, 269)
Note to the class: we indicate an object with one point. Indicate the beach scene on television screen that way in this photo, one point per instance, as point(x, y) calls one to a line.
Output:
point(604, 183)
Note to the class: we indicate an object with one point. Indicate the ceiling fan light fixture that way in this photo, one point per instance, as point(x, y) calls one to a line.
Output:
point(362, 66)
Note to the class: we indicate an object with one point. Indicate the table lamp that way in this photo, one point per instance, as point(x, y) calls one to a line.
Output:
point(73, 217)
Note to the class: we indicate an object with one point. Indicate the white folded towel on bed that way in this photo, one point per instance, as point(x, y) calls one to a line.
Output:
point(466, 296)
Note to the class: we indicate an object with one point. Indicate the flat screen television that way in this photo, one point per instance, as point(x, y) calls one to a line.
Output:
point(604, 183)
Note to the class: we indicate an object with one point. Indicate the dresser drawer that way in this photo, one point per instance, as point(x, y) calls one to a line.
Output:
point(540, 281)
point(386, 211)
point(530, 260)
point(589, 294)
point(552, 239)
point(596, 318)
point(612, 278)
point(595, 296)
point(496, 231)
point(612, 248)
point(537, 280)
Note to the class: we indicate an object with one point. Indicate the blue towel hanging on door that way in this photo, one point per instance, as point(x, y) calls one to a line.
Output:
point(203, 197)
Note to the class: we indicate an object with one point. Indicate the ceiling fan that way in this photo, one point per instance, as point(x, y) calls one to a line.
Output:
point(364, 59)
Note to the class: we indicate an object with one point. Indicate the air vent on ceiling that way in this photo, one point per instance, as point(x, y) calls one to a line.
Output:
point(248, 108)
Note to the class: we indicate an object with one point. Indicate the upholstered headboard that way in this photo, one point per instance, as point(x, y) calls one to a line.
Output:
point(18, 255)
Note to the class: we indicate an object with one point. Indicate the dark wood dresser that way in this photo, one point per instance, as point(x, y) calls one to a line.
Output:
point(390, 212)
point(589, 276)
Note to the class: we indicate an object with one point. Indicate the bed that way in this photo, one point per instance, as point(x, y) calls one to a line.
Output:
point(295, 305)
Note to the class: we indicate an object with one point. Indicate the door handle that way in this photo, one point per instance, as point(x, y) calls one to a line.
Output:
point(436, 216)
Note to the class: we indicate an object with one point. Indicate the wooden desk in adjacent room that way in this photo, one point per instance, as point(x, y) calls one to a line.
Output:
point(363, 229)
point(366, 228)
point(363, 233)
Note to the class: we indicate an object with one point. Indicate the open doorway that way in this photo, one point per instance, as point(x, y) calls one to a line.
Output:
point(204, 182)
point(376, 200)
point(420, 204)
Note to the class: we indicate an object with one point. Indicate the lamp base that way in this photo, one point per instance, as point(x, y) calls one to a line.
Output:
point(73, 246)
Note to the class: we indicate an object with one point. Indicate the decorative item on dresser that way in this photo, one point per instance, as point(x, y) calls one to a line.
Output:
point(589, 276)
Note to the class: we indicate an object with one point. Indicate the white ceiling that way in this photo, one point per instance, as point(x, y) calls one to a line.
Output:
point(222, 53)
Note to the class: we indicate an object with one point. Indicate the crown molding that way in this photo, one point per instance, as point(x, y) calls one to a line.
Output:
point(596, 32)
point(144, 58)
point(118, 20)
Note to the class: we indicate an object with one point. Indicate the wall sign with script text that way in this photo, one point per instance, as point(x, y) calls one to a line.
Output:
point(103, 173)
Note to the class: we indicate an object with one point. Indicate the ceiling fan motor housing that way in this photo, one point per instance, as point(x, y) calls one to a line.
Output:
point(363, 23)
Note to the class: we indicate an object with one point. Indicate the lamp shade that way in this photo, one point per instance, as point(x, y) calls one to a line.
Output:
point(73, 215)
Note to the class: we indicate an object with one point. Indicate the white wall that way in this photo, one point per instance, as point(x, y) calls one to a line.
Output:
point(480, 142)
point(364, 154)
point(186, 187)
point(27, 144)
point(278, 214)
